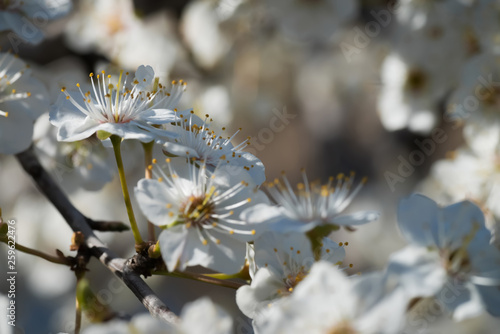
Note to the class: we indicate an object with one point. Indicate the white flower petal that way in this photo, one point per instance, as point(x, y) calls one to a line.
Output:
point(153, 199)
point(172, 244)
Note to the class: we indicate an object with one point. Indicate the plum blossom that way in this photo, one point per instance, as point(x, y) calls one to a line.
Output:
point(22, 16)
point(22, 99)
point(327, 301)
point(199, 317)
point(129, 113)
point(449, 250)
point(313, 205)
point(200, 211)
point(196, 140)
point(282, 262)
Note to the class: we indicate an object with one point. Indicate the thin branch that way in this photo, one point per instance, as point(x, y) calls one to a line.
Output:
point(45, 256)
point(78, 222)
point(107, 226)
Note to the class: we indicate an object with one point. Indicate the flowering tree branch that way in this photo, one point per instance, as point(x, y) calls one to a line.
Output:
point(78, 222)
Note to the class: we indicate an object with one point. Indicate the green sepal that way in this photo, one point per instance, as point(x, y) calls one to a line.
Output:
point(316, 236)
point(103, 135)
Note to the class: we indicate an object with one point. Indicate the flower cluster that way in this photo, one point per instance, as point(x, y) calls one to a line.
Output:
point(134, 149)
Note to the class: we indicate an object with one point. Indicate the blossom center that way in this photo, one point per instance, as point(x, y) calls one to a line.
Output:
point(415, 80)
point(197, 211)
point(456, 262)
point(292, 280)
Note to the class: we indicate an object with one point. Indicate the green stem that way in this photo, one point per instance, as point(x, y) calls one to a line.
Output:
point(78, 313)
point(222, 276)
point(148, 174)
point(201, 278)
point(27, 250)
point(116, 141)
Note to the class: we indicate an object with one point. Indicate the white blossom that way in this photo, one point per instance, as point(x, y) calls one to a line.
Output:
point(24, 17)
point(449, 257)
point(201, 213)
point(313, 205)
point(129, 113)
point(282, 262)
point(196, 140)
point(22, 99)
point(329, 302)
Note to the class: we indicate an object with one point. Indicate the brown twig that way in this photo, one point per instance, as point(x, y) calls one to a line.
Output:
point(78, 222)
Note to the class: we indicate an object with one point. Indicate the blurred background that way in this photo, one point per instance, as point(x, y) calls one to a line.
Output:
point(330, 86)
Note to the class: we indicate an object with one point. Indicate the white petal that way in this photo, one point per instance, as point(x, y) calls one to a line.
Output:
point(204, 317)
point(264, 289)
point(417, 217)
point(16, 132)
point(153, 197)
point(172, 245)
point(145, 76)
point(358, 218)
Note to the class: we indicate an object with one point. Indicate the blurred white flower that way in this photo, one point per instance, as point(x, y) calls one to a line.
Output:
point(204, 317)
point(476, 102)
point(313, 205)
point(78, 164)
point(129, 113)
point(282, 262)
point(327, 301)
point(216, 102)
point(431, 40)
point(312, 20)
point(22, 99)
point(157, 32)
point(199, 317)
point(466, 174)
point(26, 18)
point(196, 140)
point(486, 24)
point(409, 95)
point(96, 24)
point(201, 213)
point(201, 32)
point(450, 257)
point(112, 28)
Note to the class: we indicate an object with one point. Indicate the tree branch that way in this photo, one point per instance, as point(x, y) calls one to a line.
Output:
point(78, 222)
